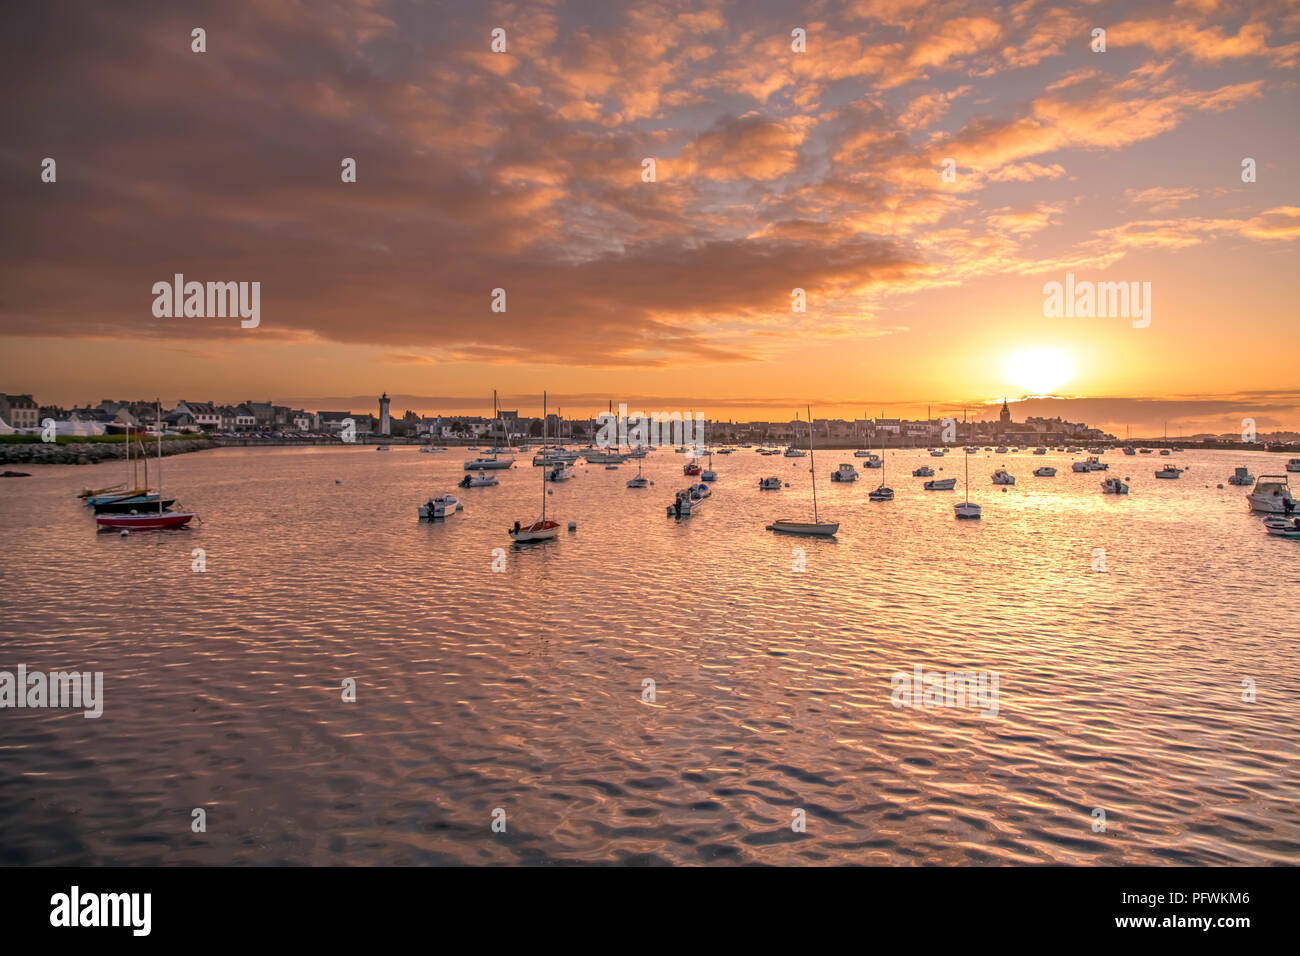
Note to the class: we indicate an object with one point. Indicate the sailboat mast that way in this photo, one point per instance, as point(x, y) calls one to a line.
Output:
point(812, 463)
point(966, 457)
point(158, 426)
point(543, 453)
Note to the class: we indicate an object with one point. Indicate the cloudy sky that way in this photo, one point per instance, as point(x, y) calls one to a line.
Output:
point(775, 169)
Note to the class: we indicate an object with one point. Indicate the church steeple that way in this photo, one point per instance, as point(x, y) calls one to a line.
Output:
point(1005, 416)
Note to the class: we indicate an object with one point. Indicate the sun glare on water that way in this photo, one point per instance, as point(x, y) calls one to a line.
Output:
point(1038, 371)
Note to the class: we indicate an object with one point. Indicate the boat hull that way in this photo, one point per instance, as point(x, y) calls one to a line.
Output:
point(942, 484)
point(537, 531)
point(153, 522)
point(820, 528)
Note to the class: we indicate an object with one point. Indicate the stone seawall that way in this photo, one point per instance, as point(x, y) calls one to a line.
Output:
point(87, 453)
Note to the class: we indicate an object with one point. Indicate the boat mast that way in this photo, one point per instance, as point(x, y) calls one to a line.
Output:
point(158, 427)
point(812, 462)
point(543, 445)
point(967, 458)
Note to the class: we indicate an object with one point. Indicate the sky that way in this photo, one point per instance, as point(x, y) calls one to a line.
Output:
point(921, 170)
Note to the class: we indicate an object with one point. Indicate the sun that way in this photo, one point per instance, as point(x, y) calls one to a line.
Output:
point(1038, 371)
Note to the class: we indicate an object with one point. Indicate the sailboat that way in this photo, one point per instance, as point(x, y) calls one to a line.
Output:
point(640, 481)
point(541, 529)
point(882, 493)
point(152, 519)
point(816, 526)
point(491, 461)
point(967, 508)
point(708, 474)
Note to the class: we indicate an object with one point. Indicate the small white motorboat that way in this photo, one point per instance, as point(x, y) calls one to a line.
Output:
point(432, 449)
point(439, 507)
point(769, 484)
point(1293, 464)
point(1047, 471)
point(873, 461)
point(1169, 471)
point(1164, 451)
point(1271, 494)
point(1283, 527)
point(1130, 450)
point(1241, 476)
point(559, 472)
point(925, 471)
point(1001, 449)
point(1113, 486)
point(382, 448)
point(1003, 477)
point(481, 480)
point(792, 452)
point(844, 473)
point(684, 504)
point(1040, 450)
point(1144, 451)
point(941, 484)
point(1093, 463)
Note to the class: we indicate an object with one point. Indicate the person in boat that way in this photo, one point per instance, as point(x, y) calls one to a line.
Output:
point(516, 527)
point(429, 508)
point(677, 504)
point(1288, 506)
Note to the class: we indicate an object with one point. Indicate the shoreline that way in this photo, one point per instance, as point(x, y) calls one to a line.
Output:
point(89, 453)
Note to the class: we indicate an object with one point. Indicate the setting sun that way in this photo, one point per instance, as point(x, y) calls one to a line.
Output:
point(1038, 371)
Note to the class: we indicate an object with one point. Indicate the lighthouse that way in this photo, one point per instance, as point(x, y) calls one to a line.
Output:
point(385, 424)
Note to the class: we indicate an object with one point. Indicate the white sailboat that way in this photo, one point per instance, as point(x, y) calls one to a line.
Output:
point(541, 529)
point(640, 481)
point(816, 526)
point(967, 508)
point(492, 461)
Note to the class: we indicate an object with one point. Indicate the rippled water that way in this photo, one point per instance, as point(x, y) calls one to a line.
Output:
point(522, 689)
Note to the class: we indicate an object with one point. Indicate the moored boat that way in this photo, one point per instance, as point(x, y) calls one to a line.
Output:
point(480, 480)
point(941, 484)
point(1283, 527)
point(1003, 477)
point(1113, 486)
point(1047, 471)
point(439, 507)
point(816, 526)
point(150, 521)
point(769, 484)
point(1271, 495)
point(925, 471)
point(541, 529)
point(1169, 471)
point(1241, 476)
point(845, 472)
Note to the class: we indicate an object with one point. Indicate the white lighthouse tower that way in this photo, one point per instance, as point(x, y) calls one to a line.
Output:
point(385, 423)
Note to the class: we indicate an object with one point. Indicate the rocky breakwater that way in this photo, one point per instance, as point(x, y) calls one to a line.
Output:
point(87, 453)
